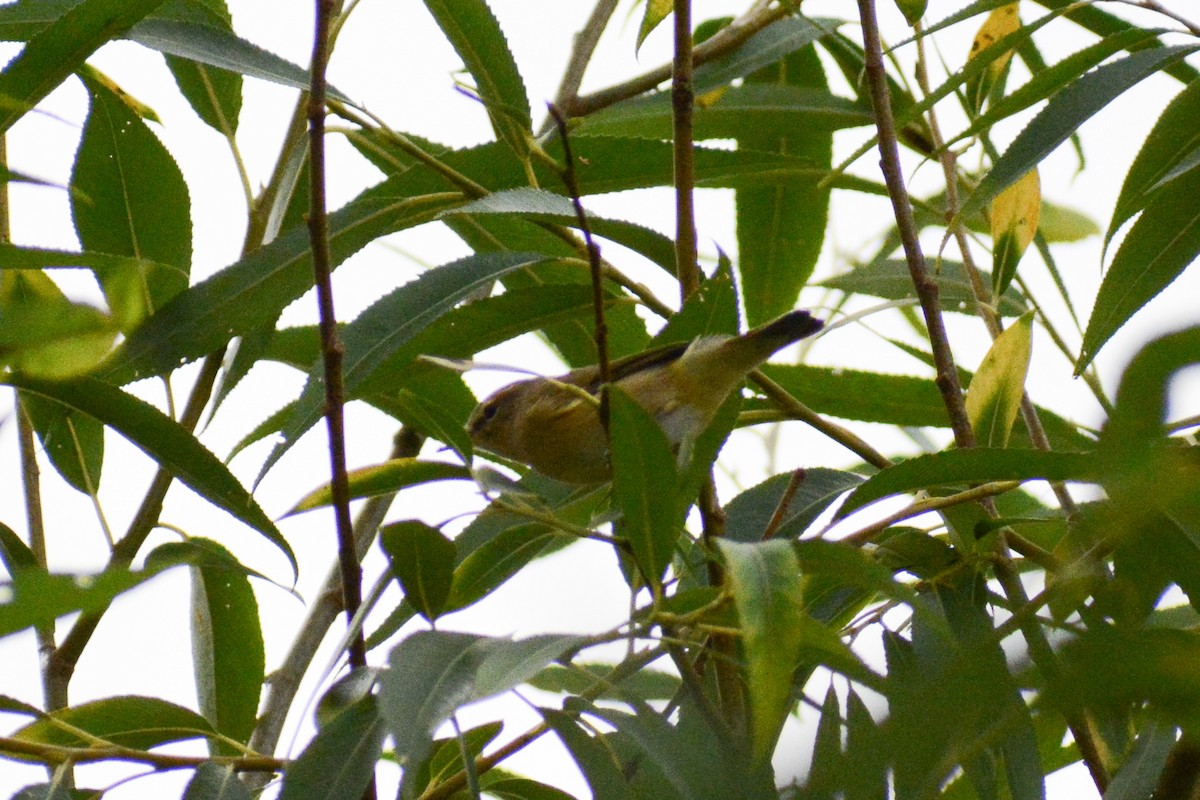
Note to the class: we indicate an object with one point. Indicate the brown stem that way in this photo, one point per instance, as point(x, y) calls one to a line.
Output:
point(331, 347)
point(58, 754)
point(582, 47)
point(724, 41)
point(683, 96)
point(927, 289)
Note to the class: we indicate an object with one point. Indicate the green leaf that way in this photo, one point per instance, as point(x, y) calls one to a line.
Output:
point(590, 754)
point(765, 48)
point(994, 395)
point(73, 441)
point(44, 334)
point(339, 763)
point(971, 466)
point(781, 229)
point(136, 205)
point(59, 49)
point(15, 555)
point(1163, 242)
point(1139, 775)
point(213, 781)
point(472, 29)
point(386, 478)
point(251, 293)
point(1063, 115)
point(431, 674)
point(890, 279)
point(215, 94)
point(227, 645)
point(1170, 143)
point(38, 598)
point(483, 570)
point(748, 514)
point(164, 440)
point(128, 721)
point(741, 111)
point(422, 559)
point(768, 592)
point(389, 324)
point(645, 480)
point(656, 12)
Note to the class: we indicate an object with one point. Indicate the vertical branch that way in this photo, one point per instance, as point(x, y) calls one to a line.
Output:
point(593, 255)
point(682, 100)
point(927, 289)
point(331, 347)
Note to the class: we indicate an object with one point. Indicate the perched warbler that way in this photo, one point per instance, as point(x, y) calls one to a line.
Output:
point(553, 425)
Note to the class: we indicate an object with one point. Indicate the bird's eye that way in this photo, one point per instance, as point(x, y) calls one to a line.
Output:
point(490, 410)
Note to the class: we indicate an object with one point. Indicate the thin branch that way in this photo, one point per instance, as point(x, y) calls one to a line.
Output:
point(32, 484)
point(799, 476)
point(683, 97)
point(58, 754)
point(331, 347)
point(728, 39)
point(583, 45)
point(926, 286)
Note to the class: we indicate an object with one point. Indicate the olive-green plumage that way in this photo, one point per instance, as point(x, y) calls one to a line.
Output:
point(553, 424)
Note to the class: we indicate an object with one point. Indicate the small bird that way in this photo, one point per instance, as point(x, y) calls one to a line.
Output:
point(553, 424)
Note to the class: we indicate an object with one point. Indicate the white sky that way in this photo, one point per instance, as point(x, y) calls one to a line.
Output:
point(393, 59)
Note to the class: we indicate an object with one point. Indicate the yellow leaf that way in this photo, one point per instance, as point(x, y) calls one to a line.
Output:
point(994, 396)
point(1000, 23)
point(656, 12)
point(1014, 218)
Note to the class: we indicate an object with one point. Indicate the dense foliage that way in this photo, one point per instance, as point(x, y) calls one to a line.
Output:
point(1026, 602)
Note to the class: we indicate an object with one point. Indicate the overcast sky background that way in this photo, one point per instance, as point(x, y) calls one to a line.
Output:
point(393, 59)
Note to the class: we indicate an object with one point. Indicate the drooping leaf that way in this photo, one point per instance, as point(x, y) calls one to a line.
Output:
point(656, 11)
point(339, 763)
point(136, 205)
point(994, 395)
point(422, 559)
point(768, 592)
point(227, 644)
point(645, 481)
point(1163, 242)
point(890, 280)
point(386, 478)
point(1014, 218)
point(1063, 115)
point(128, 721)
point(164, 440)
point(472, 29)
point(73, 441)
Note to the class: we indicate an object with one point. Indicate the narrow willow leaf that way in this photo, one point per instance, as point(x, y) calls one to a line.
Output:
point(73, 441)
point(389, 324)
point(1163, 242)
point(1172, 139)
point(769, 46)
point(1014, 219)
point(38, 598)
point(656, 12)
point(971, 466)
point(227, 645)
point(994, 395)
point(748, 514)
point(164, 440)
point(891, 280)
point(251, 293)
point(60, 48)
point(494, 562)
point(1063, 115)
point(780, 229)
point(136, 205)
point(213, 781)
point(768, 592)
point(741, 111)
point(827, 760)
point(340, 760)
point(645, 481)
point(912, 10)
point(589, 753)
point(386, 478)
point(54, 339)
point(1002, 22)
point(422, 559)
point(127, 721)
point(472, 29)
